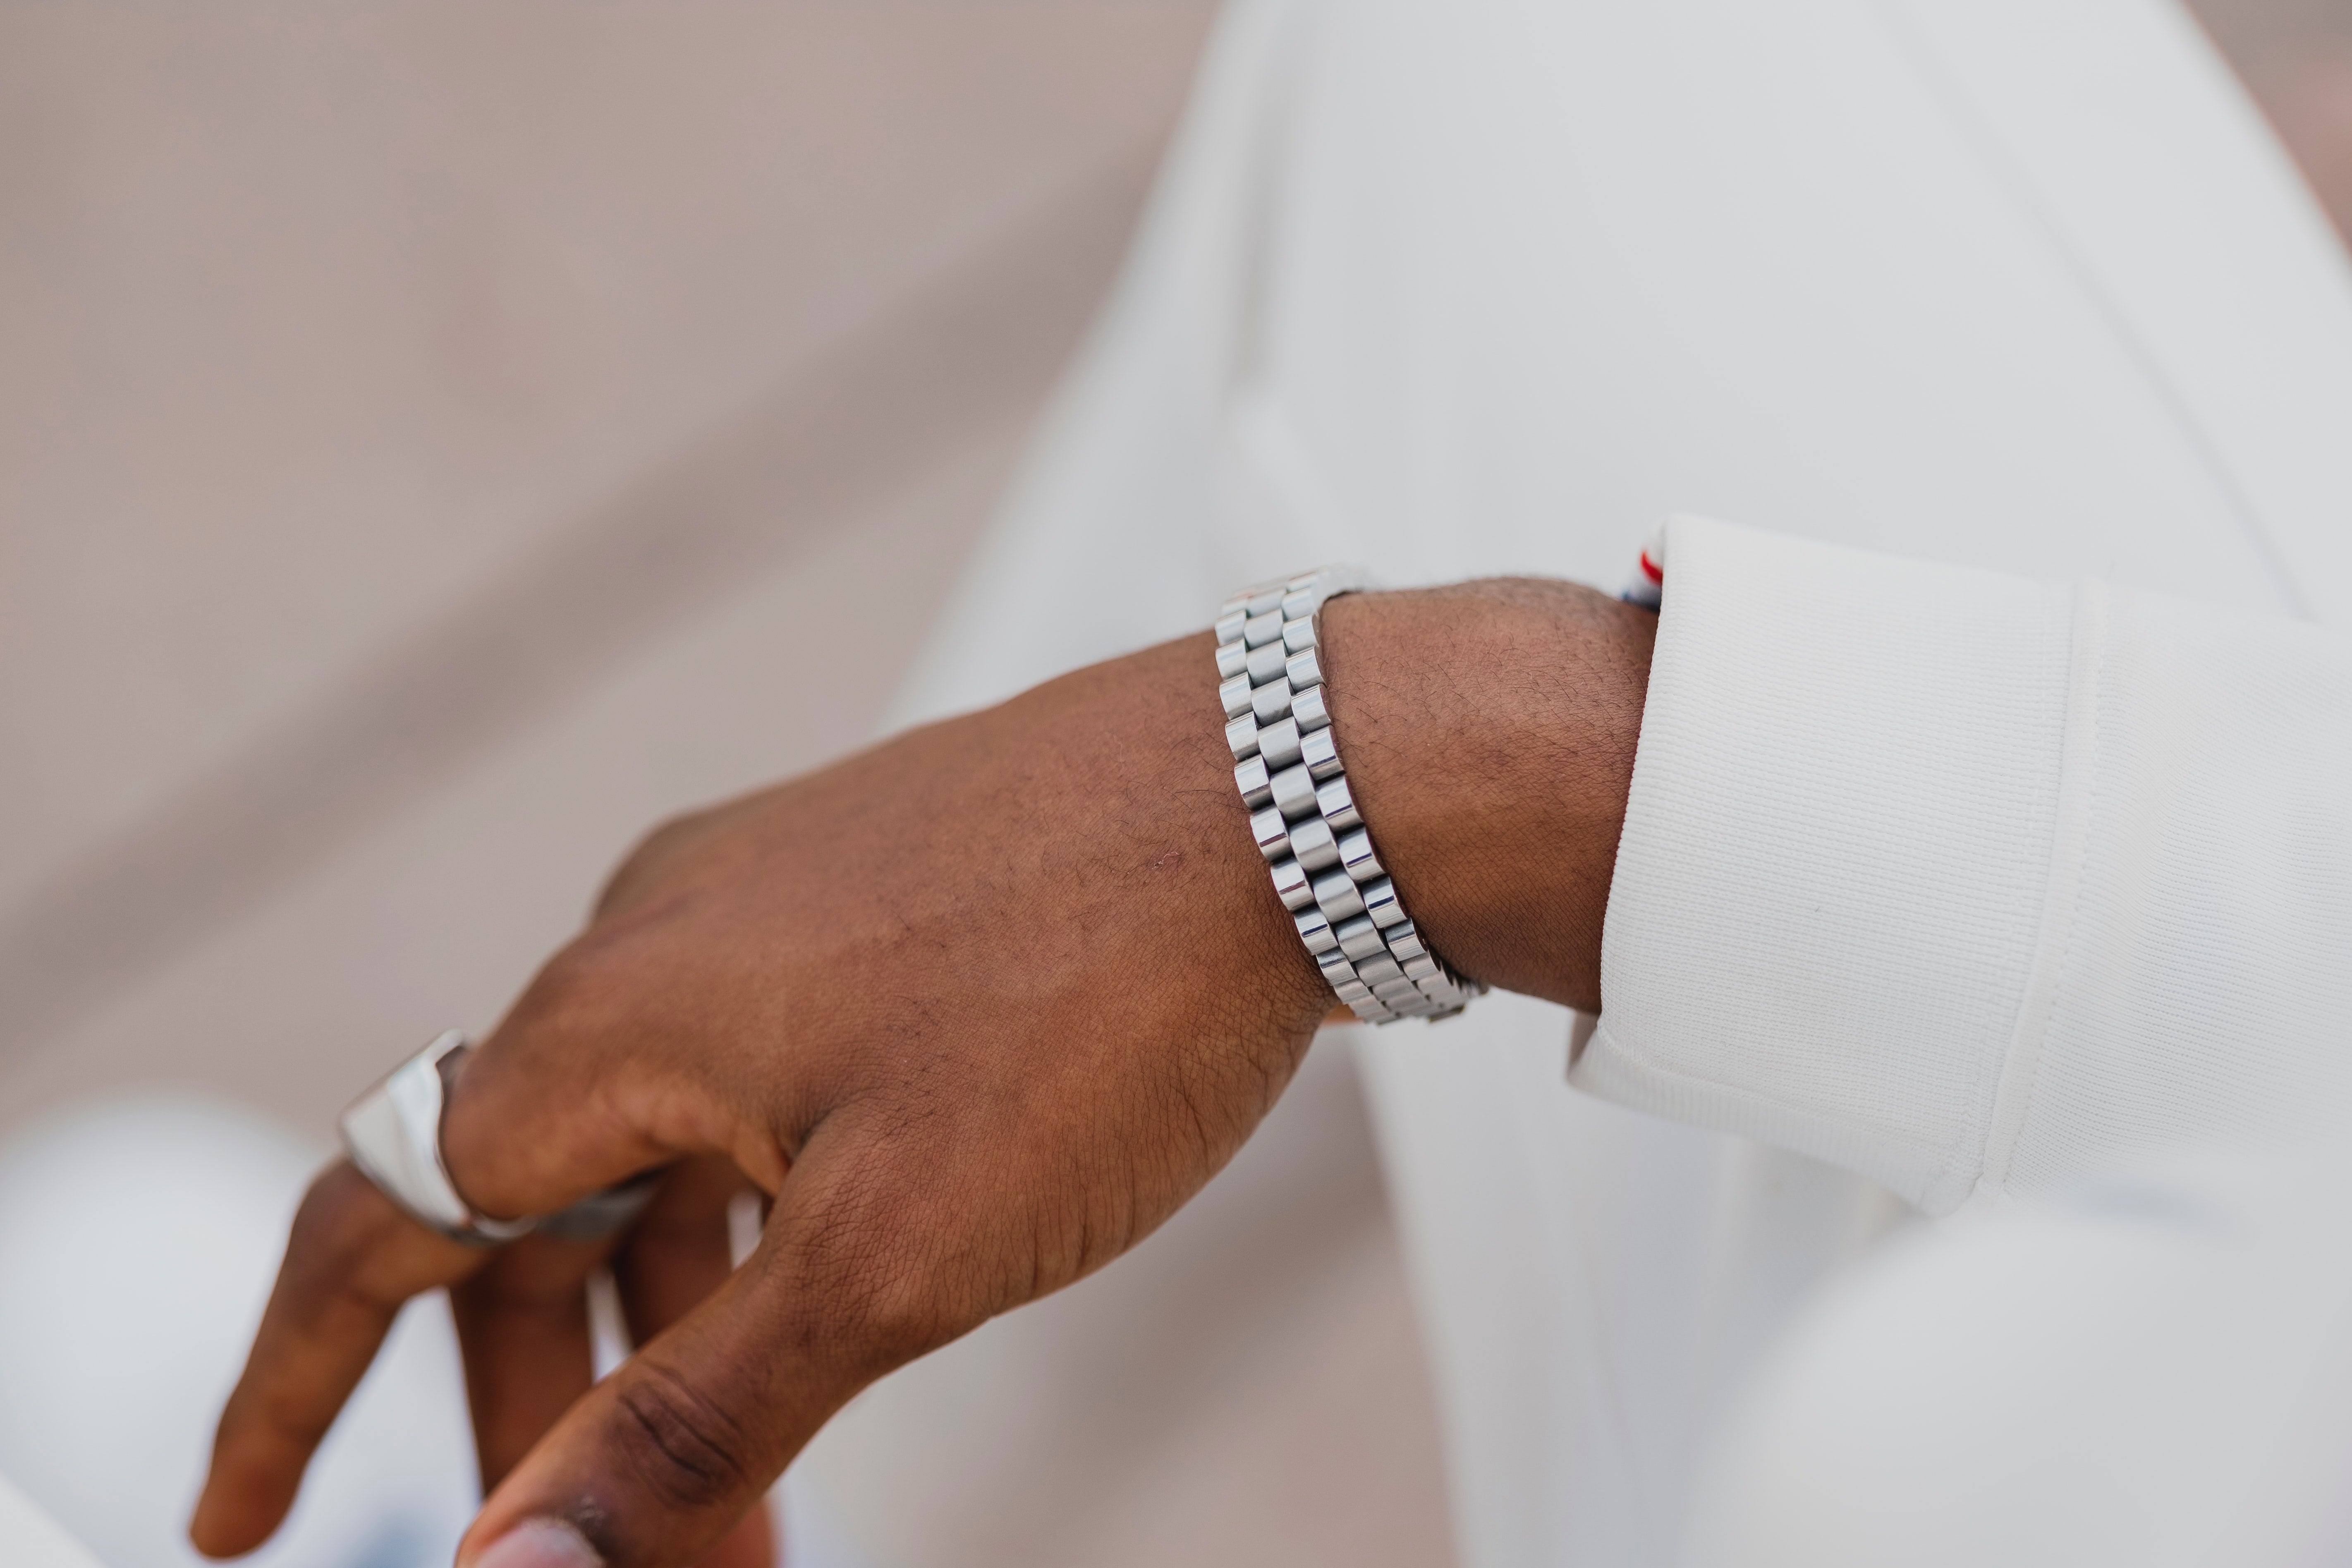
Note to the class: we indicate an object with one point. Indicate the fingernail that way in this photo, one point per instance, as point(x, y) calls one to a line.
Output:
point(539, 1543)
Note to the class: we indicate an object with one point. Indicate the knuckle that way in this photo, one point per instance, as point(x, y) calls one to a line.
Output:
point(687, 1448)
point(342, 1223)
point(641, 867)
point(322, 1220)
point(572, 975)
point(666, 838)
point(295, 1421)
point(580, 991)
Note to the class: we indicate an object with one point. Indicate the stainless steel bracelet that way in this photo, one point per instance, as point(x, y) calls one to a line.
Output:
point(1288, 766)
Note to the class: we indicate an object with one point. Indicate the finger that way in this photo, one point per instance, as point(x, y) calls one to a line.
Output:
point(572, 1093)
point(658, 1463)
point(667, 846)
point(351, 1261)
point(679, 1252)
point(523, 1330)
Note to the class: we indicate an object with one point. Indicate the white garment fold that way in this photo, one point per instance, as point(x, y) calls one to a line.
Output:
point(2146, 1371)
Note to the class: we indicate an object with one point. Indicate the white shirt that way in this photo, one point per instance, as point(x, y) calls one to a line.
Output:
point(1936, 882)
point(1974, 884)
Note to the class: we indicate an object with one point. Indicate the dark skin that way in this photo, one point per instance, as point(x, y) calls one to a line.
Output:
point(975, 1010)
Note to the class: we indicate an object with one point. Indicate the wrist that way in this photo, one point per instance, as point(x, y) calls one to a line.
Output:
point(1488, 731)
point(1226, 915)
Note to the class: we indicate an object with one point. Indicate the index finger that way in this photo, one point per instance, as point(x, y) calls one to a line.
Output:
point(353, 1262)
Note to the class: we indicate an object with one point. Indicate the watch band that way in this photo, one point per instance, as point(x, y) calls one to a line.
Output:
point(1288, 766)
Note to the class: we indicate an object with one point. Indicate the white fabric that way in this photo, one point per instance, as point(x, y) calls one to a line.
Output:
point(1492, 285)
point(2149, 1371)
point(1958, 879)
point(34, 1539)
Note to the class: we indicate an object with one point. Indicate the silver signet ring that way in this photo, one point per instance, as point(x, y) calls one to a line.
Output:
point(393, 1135)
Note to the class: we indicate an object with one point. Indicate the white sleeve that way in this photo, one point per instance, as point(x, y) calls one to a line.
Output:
point(1961, 880)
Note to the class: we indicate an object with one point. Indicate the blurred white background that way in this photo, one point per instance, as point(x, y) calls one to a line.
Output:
point(439, 440)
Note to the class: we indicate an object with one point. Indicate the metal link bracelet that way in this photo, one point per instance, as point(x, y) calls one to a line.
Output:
point(1306, 822)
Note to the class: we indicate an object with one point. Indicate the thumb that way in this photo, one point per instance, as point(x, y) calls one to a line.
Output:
point(654, 1466)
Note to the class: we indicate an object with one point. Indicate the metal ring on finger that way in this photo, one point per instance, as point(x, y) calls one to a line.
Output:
point(393, 1133)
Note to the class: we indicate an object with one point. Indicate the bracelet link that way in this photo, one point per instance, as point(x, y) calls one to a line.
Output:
point(1303, 815)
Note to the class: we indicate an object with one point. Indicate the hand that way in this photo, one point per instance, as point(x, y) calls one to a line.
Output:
point(976, 1010)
